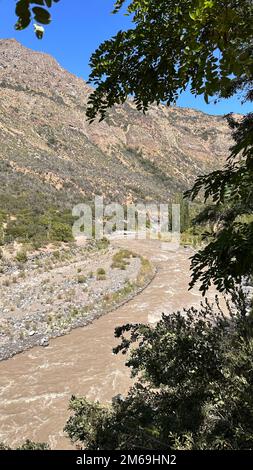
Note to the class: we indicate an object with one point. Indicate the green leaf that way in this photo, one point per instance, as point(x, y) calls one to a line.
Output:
point(193, 15)
point(41, 15)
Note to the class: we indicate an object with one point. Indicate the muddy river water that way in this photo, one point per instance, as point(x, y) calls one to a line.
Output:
point(35, 386)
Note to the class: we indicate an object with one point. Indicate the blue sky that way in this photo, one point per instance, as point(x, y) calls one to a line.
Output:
point(78, 27)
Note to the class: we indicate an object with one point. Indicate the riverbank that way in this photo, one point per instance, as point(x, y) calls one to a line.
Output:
point(55, 291)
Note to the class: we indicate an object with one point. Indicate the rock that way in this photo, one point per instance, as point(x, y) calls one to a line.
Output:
point(44, 342)
point(31, 333)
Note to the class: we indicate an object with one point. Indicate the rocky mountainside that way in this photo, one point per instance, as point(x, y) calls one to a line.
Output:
point(50, 154)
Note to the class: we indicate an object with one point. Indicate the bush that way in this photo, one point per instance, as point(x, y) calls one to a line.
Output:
point(28, 445)
point(40, 227)
point(193, 389)
point(81, 279)
point(119, 259)
point(101, 274)
point(21, 256)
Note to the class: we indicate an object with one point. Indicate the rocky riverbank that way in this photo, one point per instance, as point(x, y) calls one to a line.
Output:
point(47, 294)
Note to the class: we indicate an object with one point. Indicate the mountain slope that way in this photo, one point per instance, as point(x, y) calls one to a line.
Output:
point(50, 154)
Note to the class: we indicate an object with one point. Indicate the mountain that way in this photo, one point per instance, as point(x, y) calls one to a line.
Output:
point(51, 155)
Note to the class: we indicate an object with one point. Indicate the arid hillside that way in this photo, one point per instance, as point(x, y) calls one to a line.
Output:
point(49, 153)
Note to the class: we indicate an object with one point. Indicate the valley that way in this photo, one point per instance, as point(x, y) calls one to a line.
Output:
point(59, 301)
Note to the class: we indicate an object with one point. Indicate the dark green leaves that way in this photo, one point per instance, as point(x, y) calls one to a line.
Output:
point(228, 256)
point(171, 45)
point(23, 13)
point(41, 15)
point(26, 12)
point(193, 387)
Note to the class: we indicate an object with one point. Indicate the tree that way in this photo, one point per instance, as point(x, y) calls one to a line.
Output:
point(202, 44)
point(228, 256)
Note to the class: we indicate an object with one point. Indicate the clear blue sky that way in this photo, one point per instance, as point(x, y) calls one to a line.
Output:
point(78, 27)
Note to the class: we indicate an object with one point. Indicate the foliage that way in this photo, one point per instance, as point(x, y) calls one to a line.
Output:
point(228, 256)
point(21, 256)
point(81, 279)
point(193, 369)
point(193, 386)
point(119, 260)
point(202, 44)
point(27, 445)
point(39, 226)
point(205, 45)
point(26, 11)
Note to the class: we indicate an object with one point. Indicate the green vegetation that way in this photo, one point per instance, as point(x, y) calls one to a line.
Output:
point(193, 388)
point(21, 256)
point(193, 370)
point(38, 227)
point(81, 279)
point(101, 274)
point(119, 259)
point(28, 445)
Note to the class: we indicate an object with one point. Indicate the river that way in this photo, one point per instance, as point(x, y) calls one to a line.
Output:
point(36, 385)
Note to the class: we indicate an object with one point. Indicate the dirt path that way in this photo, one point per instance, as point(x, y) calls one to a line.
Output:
point(36, 385)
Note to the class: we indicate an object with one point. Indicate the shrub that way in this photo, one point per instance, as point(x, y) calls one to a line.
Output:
point(193, 388)
point(119, 259)
point(101, 274)
point(27, 445)
point(21, 256)
point(81, 279)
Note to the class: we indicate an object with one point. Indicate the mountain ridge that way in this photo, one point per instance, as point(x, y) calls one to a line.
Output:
point(51, 152)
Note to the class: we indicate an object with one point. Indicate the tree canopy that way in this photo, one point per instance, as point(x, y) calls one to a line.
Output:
point(207, 46)
point(202, 44)
point(227, 256)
